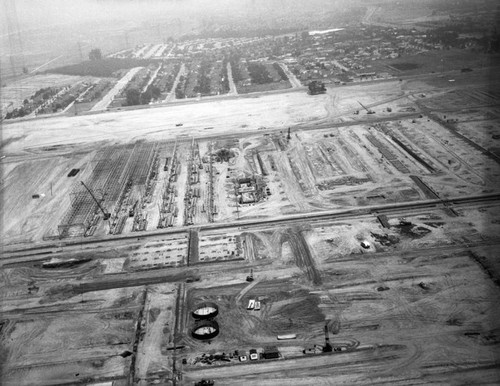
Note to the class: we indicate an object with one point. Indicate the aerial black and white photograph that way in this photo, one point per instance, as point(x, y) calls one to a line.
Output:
point(249, 192)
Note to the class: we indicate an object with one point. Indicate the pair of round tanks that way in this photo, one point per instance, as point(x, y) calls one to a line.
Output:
point(205, 327)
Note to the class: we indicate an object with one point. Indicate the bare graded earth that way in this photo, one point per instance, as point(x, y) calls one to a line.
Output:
point(419, 305)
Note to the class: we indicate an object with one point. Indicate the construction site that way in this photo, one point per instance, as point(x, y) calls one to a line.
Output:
point(147, 186)
point(202, 254)
point(289, 207)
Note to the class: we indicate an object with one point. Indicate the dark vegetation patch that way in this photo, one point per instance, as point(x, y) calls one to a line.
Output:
point(405, 66)
point(101, 68)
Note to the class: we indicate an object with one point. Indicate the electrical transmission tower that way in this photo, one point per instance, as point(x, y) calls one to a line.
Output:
point(16, 54)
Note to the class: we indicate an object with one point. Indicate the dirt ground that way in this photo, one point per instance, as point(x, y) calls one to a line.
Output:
point(376, 300)
point(313, 171)
point(382, 227)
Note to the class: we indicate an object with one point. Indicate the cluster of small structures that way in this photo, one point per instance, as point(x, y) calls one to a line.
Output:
point(51, 100)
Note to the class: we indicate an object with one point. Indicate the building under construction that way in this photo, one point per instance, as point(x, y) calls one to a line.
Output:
point(250, 189)
point(121, 174)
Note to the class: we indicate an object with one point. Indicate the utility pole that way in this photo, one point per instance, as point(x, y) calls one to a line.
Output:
point(236, 199)
point(16, 51)
point(126, 40)
point(80, 51)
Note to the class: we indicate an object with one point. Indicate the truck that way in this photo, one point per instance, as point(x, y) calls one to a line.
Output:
point(253, 354)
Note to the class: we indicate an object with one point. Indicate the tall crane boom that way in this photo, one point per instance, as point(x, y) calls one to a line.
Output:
point(104, 213)
point(368, 111)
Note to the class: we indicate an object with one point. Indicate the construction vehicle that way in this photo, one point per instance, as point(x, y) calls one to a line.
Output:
point(316, 87)
point(250, 277)
point(365, 244)
point(368, 111)
point(317, 349)
point(105, 214)
point(327, 347)
point(205, 382)
point(253, 354)
point(131, 211)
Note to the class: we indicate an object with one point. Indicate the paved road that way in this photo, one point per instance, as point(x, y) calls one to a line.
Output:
point(171, 95)
point(104, 102)
point(291, 76)
point(41, 250)
point(232, 86)
point(151, 80)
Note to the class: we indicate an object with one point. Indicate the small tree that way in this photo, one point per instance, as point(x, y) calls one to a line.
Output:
point(133, 97)
point(224, 154)
point(155, 92)
point(95, 54)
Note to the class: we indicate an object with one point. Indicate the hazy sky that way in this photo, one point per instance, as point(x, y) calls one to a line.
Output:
point(36, 31)
point(32, 13)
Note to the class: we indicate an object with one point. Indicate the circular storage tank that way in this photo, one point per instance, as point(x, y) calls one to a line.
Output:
point(205, 329)
point(205, 311)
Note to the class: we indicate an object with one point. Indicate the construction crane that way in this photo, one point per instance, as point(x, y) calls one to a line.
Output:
point(327, 347)
point(105, 214)
point(368, 111)
point(318, 349)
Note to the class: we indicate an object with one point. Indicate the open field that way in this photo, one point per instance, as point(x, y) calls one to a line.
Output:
point(382, 227)
point(232, 116)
